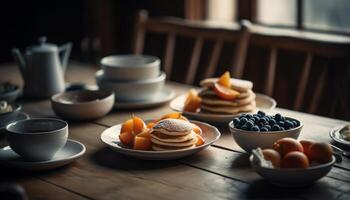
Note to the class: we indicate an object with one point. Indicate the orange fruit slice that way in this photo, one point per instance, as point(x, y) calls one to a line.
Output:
point(126, 138)
point(142, 143)
point(192, 102)
point(225, 80)
point(224, 92)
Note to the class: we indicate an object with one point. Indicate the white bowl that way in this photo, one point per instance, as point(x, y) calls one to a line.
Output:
point(249, 140)
point(130, 67)
point(82, 105)
point(293, 177)
point(37, 139)
point(132, 90)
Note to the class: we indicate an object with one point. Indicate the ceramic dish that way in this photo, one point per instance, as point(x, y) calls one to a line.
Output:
point(10, 95)
point(69, 153)
point(336, 136)
point(263, 103)
point(130, 67)
point(111, 139)
point(20, 116)
point(82, 105)
point(249, 140)
point(6, 118)
point(164, 96)
point(132, 90)
point(293, 177)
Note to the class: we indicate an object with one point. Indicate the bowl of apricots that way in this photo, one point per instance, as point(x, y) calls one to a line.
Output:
point(171, 136)
point(290, 162)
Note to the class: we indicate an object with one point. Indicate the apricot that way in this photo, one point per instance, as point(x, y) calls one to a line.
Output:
point(192, 102)
point(138, 125)
point(150, 124)
point(197, 130)
point(142, 143)
point(320, 152)
point(295, 159)
point(306, 146)
point(225, 80)
point(273, 156)
point(224, 92)
point(174, 115)
point(286, 145)
point(145, 133)
point(200, 140)
point(126, 138)
point(127, 126)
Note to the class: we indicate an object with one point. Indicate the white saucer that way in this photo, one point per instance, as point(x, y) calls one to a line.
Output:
point(335, 135)
point(263, 102)
point(110, 137)
point(20, 116)
point(70, 152)
point(162, 97)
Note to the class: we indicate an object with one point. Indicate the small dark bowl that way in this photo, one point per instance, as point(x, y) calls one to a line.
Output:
point(8, 117)
point(12, 95)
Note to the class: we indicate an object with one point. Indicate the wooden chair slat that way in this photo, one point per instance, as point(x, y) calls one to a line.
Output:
point(318, 91)
point(169, 54)
point(139, 33)
point(303, 82)
point(271, 70)
point(197, 50)
point(214, 58)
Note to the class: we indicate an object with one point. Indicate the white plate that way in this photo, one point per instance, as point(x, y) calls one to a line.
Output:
point(70, 152)
point(335, 135)
point(162, 97)
point(111, 139)
point(20, 116)
point(263, 102)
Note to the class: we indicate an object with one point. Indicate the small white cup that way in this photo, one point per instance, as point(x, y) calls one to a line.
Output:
point(37, 139)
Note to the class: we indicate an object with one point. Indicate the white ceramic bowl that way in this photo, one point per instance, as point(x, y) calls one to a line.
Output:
point(130, 67)
point(249, 140)
point(82, 105)
point(37, 139)
point(132, 90)
point(293, 177)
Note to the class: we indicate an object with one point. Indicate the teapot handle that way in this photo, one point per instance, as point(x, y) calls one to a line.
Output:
point(64, 55)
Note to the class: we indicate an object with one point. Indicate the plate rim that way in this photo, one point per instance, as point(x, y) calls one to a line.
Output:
point(336, 139)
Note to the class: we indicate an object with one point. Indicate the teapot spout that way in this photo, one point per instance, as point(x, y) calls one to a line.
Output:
point(19, 59)
point(65, 52)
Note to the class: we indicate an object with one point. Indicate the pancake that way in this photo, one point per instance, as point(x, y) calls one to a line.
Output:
point(236, 84)
point(173, 127)
point(216, 101)
point(166, 138)
point(193, 140)
point(229, 109)
point(209, 93)
point(157, 147)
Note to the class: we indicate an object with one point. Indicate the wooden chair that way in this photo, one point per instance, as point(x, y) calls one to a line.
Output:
point(200, 32)
point(331, 47)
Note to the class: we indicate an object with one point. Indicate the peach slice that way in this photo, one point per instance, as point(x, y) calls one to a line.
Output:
point(225, 80)
point(142, 143)
point(174, 115)
point(128, 126)
point(138, 125)
point(200, 140)
point(151, 124)
point(224, 92)
point(197, 129)
point(146, 133)
point(126, 138)
point(192, 102)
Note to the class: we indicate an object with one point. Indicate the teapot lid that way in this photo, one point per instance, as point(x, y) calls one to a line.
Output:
point(42, 46)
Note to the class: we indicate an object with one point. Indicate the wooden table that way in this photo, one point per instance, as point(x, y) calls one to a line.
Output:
point(220, 172)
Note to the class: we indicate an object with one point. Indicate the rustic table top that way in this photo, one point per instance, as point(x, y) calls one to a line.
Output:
point(220, 172)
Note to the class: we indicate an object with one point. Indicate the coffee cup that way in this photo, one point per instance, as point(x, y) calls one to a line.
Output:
point(37, 139)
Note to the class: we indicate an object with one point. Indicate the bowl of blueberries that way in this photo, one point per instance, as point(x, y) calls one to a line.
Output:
point(251, 131)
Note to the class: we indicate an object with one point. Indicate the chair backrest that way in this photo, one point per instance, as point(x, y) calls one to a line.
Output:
point(311, 44)
point(200, 32)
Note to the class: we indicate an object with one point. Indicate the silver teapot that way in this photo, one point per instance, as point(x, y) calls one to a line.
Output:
point(42, 67)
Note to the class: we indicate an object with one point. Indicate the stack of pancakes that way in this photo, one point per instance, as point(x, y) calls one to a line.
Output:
point(173, 134)
point(245, 102)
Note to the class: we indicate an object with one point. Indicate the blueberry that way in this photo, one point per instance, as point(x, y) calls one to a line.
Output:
point(297, 123)
point(288, 124)
point(264, 129)
point(278, 117)
point(248, 116)
point(255, 128)
point(243, 120)
point(272, 122)
point(294, 124)
point(244, 127)
point(281, 129)
point(242, 116)
point(249, 124)
point(268, 127)
point(281, 123)
point(236, 121)
point(261, 113)
point(263, 120)
point(275, 127)
point(256, 118)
